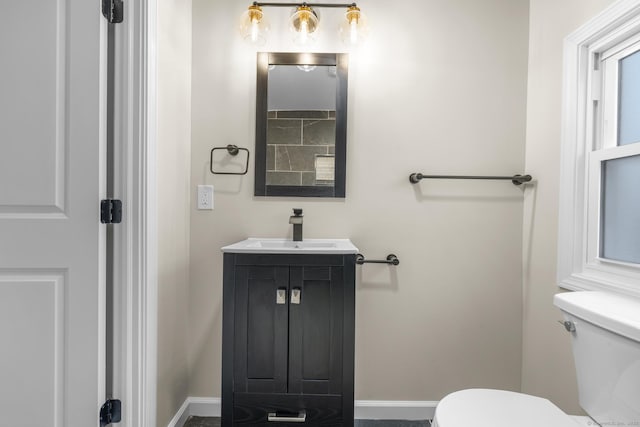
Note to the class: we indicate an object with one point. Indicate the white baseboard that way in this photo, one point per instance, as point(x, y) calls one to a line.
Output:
point(364, 409)
point(196, 406)
point(394, 409)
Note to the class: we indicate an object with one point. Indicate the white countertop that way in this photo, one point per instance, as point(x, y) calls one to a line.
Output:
point(255, 245)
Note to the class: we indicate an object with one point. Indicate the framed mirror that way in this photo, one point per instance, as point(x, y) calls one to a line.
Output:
point(301, 124)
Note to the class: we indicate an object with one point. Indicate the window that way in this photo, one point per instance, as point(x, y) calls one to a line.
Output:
point(599, 235)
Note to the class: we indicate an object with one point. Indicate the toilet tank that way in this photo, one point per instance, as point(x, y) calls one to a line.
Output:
point(606, 349)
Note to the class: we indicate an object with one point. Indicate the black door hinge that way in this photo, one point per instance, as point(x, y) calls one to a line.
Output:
point(111, 211)
point(113, 10)
point(111, 412)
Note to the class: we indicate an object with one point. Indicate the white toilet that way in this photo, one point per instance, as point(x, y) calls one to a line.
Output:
point(605, 331)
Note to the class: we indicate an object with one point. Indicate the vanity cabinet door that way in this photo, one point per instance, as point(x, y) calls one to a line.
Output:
point(261, 329)
point(288, 339)
point(316, 314)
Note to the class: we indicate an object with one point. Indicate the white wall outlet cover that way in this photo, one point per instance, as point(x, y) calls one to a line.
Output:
point(205, 197)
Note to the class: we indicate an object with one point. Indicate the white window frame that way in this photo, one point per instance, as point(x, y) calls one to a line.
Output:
point(587, 140)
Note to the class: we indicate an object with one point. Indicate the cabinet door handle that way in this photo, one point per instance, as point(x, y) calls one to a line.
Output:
point(273, 417)
point(281, 296)
point(296, 293)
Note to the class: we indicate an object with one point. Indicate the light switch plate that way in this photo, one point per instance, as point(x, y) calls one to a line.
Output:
point(205, 197)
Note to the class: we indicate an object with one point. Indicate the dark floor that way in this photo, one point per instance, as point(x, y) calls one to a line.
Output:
point(215, 422)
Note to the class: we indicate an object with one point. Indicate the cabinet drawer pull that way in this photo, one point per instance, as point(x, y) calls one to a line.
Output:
point(273, 417)
point(281, 296)
point(296, 293)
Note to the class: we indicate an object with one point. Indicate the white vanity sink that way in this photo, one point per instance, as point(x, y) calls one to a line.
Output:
point(284, 246)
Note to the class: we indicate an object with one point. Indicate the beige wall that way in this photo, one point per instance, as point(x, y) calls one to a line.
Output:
point(174, 157)
point(441, 90)
point(547, 368)
point(443, 93)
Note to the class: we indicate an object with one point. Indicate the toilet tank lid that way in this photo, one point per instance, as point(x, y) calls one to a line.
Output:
point(617, 313)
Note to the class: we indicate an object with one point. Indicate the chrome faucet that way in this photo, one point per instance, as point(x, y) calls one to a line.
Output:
point(296, 220)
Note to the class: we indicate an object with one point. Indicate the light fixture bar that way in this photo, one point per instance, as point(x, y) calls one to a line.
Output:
point(303, 22)
point(340, 5)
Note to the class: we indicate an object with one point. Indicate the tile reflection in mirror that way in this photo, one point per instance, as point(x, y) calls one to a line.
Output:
point(301, 125)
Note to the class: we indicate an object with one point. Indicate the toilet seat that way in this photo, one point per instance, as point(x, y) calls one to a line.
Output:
point(498, 408)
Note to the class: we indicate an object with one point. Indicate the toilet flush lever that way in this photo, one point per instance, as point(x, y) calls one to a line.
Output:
point(568, 325)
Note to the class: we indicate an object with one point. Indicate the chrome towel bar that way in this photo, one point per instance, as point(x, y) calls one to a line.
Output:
point(414, 178)
point(391, 259)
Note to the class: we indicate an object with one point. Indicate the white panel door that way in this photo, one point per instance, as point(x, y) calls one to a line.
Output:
point(51, 239)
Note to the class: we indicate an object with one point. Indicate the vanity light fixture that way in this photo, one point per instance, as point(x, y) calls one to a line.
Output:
point(354, 28)
point(304, 22)
point(254, 26)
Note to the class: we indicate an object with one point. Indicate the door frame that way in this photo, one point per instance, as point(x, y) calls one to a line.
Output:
point(136, 239)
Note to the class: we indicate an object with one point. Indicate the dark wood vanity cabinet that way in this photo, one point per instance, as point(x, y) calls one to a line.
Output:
point(288, 339)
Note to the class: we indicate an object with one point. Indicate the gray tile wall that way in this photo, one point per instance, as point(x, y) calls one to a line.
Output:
point(294, 140)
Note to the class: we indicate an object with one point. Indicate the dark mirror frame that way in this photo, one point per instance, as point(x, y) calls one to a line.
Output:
point(340, 60)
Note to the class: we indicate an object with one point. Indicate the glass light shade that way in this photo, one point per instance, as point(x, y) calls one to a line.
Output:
point(355, 27)
point(304, 22)
point(254, 26)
